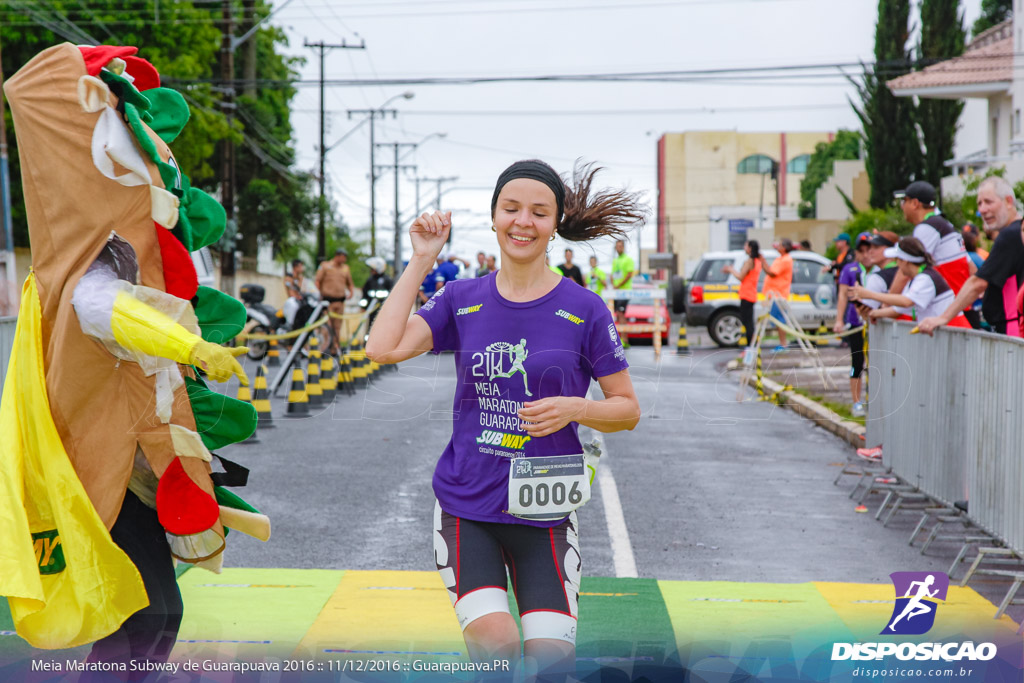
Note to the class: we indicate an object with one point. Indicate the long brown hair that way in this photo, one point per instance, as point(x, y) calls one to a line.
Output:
point(590, 214)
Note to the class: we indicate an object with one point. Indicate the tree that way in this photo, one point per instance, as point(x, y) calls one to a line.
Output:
point(993, 12)
point(942, 37)
point(893, 151)
point(845, 146)
point(183, 43)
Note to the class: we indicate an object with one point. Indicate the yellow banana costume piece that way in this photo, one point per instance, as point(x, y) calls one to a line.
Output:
point(141, 328)
point(46, 516)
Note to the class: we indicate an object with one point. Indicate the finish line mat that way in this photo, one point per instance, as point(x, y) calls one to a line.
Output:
point(629, 628)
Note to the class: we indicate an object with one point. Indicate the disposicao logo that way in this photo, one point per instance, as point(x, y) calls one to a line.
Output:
point(918, 595)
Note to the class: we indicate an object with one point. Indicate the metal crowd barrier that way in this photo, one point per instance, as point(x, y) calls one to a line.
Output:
point(7, 327)
point(949, 413)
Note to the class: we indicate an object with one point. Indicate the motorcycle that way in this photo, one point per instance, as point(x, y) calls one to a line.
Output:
point(262, 318)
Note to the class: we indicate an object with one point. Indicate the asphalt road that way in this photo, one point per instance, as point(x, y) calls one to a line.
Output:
point(710, 488)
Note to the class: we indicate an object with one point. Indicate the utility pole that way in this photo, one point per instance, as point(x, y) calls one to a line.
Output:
point(227, 169)
point(398, 225)
point(321, 234)
point(373, 114)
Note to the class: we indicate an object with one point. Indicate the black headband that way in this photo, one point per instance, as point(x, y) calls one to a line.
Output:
point(534, 170)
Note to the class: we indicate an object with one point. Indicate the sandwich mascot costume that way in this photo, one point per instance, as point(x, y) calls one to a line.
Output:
point(107, 427)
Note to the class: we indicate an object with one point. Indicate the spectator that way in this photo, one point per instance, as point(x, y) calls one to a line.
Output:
point(941, 240)
point(570, 270)
point(446, 270)
point(972, 229)
point(847, 317)
point(881, 269)
point(597, 280)
point(748, 275)
point(296, 309)
point(334, 280)
point(971, 243)
point(492, 263)
point(623, 270)
point(926, 292)
point(777, 283)
point(844, 257)
point(1002, 274)
point(805, 245)
point(482, 268)
point(429, 285)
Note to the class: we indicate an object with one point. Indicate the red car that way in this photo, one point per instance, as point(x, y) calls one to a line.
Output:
point(642, 313)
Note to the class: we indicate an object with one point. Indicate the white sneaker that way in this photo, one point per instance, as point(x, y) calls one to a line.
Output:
point(858, 409)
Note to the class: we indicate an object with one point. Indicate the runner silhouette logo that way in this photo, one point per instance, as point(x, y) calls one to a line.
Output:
point(918, 595)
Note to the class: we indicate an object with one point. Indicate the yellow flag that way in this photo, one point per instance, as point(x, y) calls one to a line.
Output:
point(66, 581)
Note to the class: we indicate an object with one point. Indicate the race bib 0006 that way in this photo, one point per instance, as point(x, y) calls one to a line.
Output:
point(547, 488)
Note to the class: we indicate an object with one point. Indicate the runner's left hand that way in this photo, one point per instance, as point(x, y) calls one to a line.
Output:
point(548, 415)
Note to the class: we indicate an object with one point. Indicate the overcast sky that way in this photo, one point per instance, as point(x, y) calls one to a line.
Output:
point(615, 124)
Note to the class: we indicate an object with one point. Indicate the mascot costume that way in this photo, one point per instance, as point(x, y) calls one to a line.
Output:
point(108, 429)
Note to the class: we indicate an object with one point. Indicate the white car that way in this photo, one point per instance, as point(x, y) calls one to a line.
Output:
point(712, 297)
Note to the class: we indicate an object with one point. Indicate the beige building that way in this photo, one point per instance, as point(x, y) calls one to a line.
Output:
point(715, 186)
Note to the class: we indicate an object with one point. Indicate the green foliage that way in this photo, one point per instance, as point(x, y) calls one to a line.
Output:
point(942, 37)
point(184, 46)
point(845, 146)
point(889, 218)
point(893, 152)
point(993, 12)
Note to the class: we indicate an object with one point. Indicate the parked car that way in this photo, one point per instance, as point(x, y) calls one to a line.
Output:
point(712, 297)
point(642, 313)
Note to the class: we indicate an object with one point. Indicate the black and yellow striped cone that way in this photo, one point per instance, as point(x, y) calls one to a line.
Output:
point(347, 377)
point(682, 345)
point(298, 401)
point(364, 361)
point(328, 378)
point(821, 332)
point(245, 395)
point(359, 369)
point(273, 355)
point(313, 388)
point(261, 399)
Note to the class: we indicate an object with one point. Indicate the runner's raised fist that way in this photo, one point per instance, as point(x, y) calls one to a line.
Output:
point(429, 233)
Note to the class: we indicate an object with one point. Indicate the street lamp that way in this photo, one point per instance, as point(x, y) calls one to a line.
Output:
point(372, 115)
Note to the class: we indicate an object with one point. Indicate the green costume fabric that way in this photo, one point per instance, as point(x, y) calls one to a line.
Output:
point(220, 420)
point(170, 113)
point(221, 317)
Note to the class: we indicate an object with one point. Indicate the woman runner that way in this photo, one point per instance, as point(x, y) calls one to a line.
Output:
point(927, 294)
point(523, 319)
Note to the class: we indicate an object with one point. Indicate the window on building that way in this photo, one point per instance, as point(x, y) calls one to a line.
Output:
point(798, 164)
point(755, 163)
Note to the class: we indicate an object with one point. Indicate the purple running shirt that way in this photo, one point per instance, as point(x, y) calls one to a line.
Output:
point(507, 353)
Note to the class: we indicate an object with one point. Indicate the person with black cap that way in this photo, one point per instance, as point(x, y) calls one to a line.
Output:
point(334, 280)
point(527, 344)
point(942, 241)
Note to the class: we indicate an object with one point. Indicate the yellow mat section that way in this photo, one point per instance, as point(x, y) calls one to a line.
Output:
point(386, 612)
point(250, 612)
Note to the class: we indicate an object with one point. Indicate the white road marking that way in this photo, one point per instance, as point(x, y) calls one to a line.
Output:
point(615, 520)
